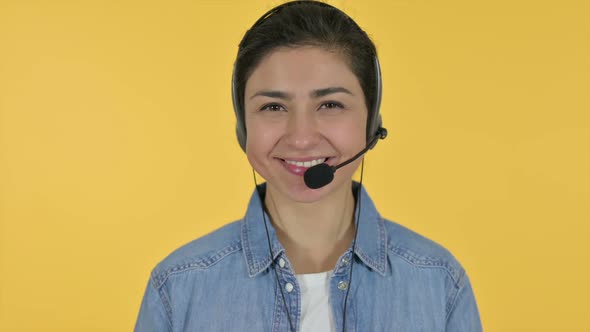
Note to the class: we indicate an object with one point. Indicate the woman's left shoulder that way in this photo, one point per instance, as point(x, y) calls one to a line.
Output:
point(419, 250)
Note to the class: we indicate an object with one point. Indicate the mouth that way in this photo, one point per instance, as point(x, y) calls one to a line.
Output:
point(298, 167)
point(307, 163)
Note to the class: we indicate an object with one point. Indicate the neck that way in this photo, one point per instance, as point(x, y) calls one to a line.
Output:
point(316, 234)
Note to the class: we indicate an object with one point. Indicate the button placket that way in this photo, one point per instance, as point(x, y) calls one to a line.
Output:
point(343, 264)
point(345, 260)
point(289, 287)
point(289, 284)
point(342, 285)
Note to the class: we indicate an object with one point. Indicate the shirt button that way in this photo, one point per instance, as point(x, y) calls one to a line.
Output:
point(345, 260)
point(342, 285)
point(289, 287)
point(281, 263)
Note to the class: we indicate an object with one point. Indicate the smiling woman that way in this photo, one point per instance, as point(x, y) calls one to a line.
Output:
point(307, 90)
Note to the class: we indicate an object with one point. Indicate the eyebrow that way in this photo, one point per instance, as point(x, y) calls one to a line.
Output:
point(327, 91)
point(314, 94)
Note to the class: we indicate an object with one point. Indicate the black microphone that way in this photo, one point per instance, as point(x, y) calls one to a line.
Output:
point(322, 174)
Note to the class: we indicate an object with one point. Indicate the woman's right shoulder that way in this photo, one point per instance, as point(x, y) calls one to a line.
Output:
point(201, 253)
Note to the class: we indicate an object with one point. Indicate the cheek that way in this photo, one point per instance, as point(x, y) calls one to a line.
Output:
point(351, 141)
point(350, 133)
point(260, 138)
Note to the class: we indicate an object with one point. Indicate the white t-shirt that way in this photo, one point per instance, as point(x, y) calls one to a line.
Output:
point(316, 313)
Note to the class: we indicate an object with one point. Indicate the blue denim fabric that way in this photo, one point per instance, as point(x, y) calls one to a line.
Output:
point(224, 282)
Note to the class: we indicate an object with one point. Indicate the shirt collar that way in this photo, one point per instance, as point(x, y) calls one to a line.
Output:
point(371, 243)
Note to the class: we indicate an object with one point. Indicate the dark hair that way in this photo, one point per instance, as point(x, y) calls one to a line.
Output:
point(308, 23)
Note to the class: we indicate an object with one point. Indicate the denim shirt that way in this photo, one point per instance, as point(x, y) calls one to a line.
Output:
point(224, 281)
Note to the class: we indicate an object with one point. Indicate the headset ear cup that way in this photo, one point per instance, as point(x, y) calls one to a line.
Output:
point(378, 123)
point(240, 125)
point(375, 130)
point(241, 134)
point(375, 121)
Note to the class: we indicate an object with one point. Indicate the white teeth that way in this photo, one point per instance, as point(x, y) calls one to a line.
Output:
point(306, 163)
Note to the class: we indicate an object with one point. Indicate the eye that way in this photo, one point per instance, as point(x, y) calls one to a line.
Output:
point(272, 108)
point(332, 105)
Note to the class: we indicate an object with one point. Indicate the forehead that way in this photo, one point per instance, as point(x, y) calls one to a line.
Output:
point(302, 68)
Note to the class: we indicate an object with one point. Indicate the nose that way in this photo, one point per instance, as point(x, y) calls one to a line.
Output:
point(302, 130)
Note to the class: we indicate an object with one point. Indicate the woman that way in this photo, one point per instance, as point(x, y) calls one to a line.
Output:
point(312, 252)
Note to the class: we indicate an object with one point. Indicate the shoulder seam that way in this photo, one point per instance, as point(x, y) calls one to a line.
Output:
point(428, 262)
point(202, 262)
point(165, 303)
point(451, 304)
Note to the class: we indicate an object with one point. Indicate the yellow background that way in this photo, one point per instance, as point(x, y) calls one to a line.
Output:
point(117, 146)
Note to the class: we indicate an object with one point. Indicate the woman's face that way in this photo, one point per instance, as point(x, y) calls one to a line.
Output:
point(303, 106)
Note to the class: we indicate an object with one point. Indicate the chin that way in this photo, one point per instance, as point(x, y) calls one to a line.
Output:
point(299, 193)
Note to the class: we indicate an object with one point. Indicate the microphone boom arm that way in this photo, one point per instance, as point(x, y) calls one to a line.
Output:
point(381, 134)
